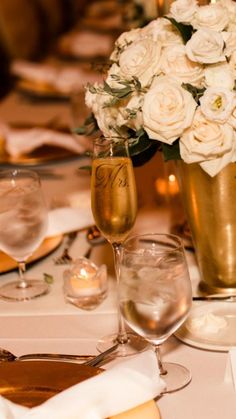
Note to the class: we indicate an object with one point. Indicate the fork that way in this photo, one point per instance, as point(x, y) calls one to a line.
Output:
point(65, 257)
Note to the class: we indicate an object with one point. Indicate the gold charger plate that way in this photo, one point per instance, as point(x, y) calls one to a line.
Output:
point(44, 154)
point(40, 90)
point(48, 245)
point(30, 383)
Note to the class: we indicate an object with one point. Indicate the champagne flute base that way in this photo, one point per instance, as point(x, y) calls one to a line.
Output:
point(14, 292)
point(176, 377)
point(135, 344)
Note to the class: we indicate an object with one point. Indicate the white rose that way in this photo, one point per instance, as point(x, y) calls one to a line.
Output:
point(142, 60)
point(167, 110)
point(230, 42)
point(206, 46)
point(106, 116)
point(219, 75)
point(232, 63)
point(161, 30)
point(183, 10)
point(176, 63)
point(232, 119)
point(231, 8)
point(208, 143)
point(125, 39)
point(212, 16)
point(132, 115)
point(217, 104)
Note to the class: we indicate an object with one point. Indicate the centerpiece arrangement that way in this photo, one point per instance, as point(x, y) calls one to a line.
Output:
point(170, 86)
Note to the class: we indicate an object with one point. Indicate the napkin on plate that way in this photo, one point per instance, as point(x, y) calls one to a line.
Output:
point(86, 44)
point(23, 141)
point(125, 386)
point(67, 219)
point(64, 80)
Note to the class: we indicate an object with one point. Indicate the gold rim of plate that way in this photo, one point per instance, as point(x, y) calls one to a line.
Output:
point(30, 383)
point(49, 245)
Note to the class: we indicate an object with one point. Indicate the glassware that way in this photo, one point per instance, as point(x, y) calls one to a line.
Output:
point(114, 206)
point(23, 224)
point(155, 294)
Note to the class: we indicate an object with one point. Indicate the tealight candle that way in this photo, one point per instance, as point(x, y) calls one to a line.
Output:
point(85, 285)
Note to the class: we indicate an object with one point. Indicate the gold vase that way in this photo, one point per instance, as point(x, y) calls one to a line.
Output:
point(210, 205)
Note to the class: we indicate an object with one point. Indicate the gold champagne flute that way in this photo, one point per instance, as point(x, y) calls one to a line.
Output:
point(114, 207)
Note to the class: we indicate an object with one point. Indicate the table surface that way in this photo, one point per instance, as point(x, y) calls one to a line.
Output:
point(49, 324)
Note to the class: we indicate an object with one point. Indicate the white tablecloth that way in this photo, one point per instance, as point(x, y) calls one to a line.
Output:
point(49, 324)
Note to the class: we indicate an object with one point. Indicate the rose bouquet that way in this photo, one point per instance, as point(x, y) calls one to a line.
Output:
point(171, 86)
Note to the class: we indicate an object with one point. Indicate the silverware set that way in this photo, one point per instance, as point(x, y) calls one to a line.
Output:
point(89, 360)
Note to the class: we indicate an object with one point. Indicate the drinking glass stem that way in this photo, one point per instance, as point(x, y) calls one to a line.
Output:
point(22, 283)
point(122, 336)
point(159, 361)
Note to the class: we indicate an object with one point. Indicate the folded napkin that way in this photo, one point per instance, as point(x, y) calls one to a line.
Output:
point(128, 384)
point(66, 219)
point(63, 80)
point(86, 44)
point(18, 141)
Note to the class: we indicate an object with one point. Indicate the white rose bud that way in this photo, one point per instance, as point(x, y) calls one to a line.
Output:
point(183, 10)
point(217, 104)
point(142, 60)
point(175, 62)
point(208, 143)
point(212, 16)
point(168, 109)
point(219, 75)
point(206, 46)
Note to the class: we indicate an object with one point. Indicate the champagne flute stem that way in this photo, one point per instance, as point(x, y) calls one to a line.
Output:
point(22, 283)
point(159, 361)
point(122, 337)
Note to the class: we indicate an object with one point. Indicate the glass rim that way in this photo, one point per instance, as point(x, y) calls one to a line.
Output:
point(18, 171)
point(109, 139)
point(177, 242)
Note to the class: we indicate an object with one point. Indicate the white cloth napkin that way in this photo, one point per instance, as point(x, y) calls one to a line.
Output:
point(126, 385)
point(66, 219)
point(24, 141)
point(61, 79)
point(86, 44)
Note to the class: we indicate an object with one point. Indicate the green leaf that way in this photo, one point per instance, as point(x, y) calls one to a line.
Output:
point(195, 91)
point(48, 278)
point(185, 31)
point(88, 168)
point(171, 152)
point(141, 148)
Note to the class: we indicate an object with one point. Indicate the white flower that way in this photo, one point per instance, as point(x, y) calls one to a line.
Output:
point(206, 46)
point(106, 116)
point(208, 143)
point(176, 63)
point(183, 10)
point(232, 119)
point(132, 115)
point(125, 39)
point(230, 6)
point(232, 63)
point(230, 42)
point(142, 60)
point(167, 110)
point(219, 75)
point(212, 16)
point(161, 30)
point(217, 104)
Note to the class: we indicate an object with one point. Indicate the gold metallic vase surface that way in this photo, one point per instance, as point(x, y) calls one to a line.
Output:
point(210, 205)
